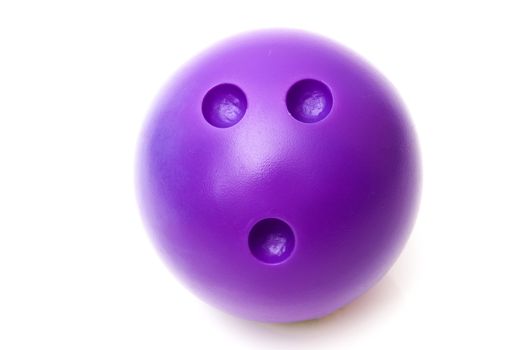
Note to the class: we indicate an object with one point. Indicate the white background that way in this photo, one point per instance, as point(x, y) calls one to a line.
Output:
point(77, 269)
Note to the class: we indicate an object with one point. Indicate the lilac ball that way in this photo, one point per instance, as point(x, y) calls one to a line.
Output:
point(279, 176)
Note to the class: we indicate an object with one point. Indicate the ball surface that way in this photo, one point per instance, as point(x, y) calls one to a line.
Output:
point(278, 175)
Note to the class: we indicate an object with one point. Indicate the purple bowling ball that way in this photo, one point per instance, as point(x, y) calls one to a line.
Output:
point(279, 176)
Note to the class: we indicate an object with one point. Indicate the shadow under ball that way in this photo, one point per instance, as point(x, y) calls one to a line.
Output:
point(278, 175)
